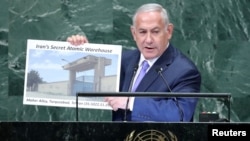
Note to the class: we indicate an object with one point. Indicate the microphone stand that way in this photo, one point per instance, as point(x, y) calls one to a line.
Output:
point(129, 90)
point(159, 70)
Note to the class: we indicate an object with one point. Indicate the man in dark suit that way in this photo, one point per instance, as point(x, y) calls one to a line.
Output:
point(168, 70)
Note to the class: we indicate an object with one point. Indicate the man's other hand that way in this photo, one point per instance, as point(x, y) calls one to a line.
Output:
point(77, 40)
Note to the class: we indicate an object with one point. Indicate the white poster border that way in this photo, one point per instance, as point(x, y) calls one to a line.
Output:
point(62, 47)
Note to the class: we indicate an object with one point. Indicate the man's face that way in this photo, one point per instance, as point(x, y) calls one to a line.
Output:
point(151, 34)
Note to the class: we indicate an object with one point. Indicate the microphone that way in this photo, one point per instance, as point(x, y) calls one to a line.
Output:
point(159, 71)
point(133, 77)
point(129, 90)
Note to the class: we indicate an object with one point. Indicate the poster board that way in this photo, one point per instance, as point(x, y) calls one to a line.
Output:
point(56, 71)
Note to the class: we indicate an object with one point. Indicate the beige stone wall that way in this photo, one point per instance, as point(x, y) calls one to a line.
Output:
point(60, 88)
point(108, 84)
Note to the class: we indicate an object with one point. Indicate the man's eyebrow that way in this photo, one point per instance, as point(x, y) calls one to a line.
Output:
point(141, 29)
point(155, 28)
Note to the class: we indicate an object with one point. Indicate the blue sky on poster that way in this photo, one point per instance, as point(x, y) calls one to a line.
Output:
point(49, 64)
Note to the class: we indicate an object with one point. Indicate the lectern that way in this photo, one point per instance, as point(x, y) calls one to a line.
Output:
point(226, 96)
point(128, 131)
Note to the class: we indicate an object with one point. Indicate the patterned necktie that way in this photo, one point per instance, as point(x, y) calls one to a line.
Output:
point(143, 71)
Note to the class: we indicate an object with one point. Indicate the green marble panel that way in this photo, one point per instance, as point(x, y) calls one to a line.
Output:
point(3, 59)
point(51, 21)
point(214, 34)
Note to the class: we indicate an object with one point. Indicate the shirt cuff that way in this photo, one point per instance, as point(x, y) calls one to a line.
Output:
point(131, 103)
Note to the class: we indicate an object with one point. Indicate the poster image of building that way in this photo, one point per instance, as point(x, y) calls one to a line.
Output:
point(56, 71)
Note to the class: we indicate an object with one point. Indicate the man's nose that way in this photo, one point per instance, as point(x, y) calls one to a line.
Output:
point(149, 38)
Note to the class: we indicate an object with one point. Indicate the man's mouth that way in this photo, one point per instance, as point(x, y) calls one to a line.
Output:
point(149, 47)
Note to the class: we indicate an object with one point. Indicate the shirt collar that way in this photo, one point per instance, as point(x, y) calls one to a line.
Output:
point(150, 61)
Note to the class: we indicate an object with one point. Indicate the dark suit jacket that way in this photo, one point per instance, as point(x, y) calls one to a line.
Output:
point(181, 75)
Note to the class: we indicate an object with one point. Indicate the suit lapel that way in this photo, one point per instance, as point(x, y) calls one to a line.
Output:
point(130, 68)
point(165, 60)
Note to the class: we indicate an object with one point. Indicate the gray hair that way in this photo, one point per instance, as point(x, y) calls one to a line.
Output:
point(152, 7)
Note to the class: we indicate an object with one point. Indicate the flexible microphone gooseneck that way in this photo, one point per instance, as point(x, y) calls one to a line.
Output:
point(129, 90)
point(133, 77)
point(159, 71)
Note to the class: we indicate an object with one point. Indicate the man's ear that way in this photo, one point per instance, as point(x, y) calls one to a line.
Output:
point(170, 29)
point(132, 29)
